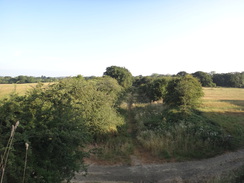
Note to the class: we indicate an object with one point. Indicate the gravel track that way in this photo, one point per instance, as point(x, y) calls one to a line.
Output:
point(189, 171)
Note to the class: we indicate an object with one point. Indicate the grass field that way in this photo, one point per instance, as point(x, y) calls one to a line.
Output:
point(223, 100)
point(225, 106)
point(7, 89)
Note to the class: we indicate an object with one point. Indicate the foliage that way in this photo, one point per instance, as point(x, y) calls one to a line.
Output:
point(110, 88)
point(204, 78)
point(148, 117)
point(26, 79)
point(150, 88)
point(182, 73)
point(57, 121)
point(51, 124)
point(121, 74)
point(8, 148)
point(157, 89)
point(178, 133)
point(229, 79)
point(184, 91)
point(235, 79)
point(141, 86)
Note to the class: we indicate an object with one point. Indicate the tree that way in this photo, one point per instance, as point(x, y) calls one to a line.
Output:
point(204, 78)
point(182, 73)
point(157, 89)
point(235, 79)
point(150, 88)
point(121, 74)
point(183, 92)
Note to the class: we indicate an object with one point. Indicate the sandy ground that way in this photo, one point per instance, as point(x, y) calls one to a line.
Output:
point(190, 171)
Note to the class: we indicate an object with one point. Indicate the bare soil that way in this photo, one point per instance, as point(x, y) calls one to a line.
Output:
point(206, 170)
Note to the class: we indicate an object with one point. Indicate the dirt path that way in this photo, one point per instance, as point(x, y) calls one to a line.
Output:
point(190, 171)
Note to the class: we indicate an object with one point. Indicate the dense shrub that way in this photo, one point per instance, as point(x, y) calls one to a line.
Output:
point(121, 74)
point(183, 92)
point(57, 121)
point(148, 89)
point(205, 79)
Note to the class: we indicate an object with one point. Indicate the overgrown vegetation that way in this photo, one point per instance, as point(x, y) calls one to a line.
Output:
point(57, 122)
point(110, 117)
point(176, 133)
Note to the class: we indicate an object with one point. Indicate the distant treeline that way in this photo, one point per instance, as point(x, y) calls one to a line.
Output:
point(233, 79)
point(229, 80)
point(26, 79)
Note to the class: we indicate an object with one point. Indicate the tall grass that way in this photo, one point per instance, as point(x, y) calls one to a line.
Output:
point(181, 146)
point(115, 150)
point(26, 156)
point(4, 157)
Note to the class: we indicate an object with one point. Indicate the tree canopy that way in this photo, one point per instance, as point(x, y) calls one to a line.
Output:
point(121, 74)
point(182, 73)
point(229, 79)
point(150, 88)
point(183, 92)
point(204, 78)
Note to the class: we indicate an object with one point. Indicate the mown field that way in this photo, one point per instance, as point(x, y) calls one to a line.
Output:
point(21, 89)
point(223, 100)
point(226, 107)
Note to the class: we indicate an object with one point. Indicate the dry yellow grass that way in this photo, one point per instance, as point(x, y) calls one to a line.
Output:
point(223, 93)
point(7, 89)
point(225, 106)
point(223, 100)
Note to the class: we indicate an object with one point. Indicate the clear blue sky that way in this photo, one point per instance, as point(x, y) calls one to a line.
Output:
point(71, 37)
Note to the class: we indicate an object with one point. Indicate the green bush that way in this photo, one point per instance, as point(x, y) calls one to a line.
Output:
point(50, 124)
point(183, 92)
point(121, 74)
point(57, 121)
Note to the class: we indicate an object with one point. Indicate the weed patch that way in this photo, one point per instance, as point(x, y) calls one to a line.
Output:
point(115, 150)
point(181, 134)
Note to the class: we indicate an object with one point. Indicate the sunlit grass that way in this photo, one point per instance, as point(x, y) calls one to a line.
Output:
point(225, 106)
point(7, 89)
point(223, 100)
point(223, 94)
